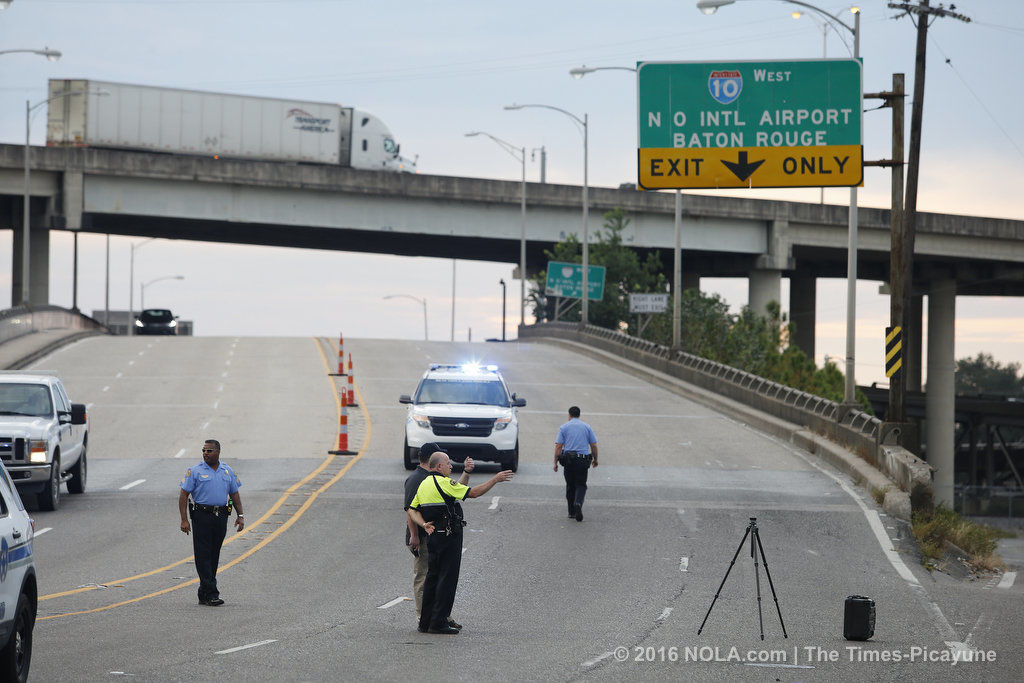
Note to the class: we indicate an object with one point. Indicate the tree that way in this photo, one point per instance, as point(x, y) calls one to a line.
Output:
point(984, 375)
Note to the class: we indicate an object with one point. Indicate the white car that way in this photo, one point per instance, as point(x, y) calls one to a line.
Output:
point(468, 411)
point(18, 594)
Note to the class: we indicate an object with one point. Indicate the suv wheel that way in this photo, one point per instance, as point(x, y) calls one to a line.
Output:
point(408, 461)
point(16, 656)
point(513, 463)
point(78, 472)
point(49, 497)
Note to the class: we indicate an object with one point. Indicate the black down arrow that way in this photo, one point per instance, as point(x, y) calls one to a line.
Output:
point(742, 168)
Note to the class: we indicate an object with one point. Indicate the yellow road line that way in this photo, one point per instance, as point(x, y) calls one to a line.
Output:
point(273, 535)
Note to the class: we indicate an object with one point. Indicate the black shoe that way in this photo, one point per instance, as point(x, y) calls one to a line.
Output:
point(212, 602)
point(420, 629)
point(454, 624)
point(579, 513)
point(447, 630)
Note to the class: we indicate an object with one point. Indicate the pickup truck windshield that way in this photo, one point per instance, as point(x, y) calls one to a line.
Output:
point(25, 399)
point(462, 391)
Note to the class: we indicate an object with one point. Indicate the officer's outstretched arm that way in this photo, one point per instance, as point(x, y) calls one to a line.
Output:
point(481, 489)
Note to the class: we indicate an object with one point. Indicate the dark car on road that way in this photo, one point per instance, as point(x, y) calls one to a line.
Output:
point(156, 321)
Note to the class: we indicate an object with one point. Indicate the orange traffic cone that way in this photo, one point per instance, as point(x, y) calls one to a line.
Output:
point(341, 354)
point(351, 388)
point(343, 429)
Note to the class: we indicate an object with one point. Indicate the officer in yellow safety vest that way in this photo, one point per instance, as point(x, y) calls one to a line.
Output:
point(436, 509)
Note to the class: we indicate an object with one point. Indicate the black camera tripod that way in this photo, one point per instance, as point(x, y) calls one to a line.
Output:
point(754, 550)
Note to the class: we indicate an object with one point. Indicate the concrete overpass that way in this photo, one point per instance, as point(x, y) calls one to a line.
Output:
point(327, 207)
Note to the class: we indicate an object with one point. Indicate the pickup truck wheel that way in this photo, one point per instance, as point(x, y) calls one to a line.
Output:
point(49, 497)
point(77, 482)
point(406, 460)
point(16, 656)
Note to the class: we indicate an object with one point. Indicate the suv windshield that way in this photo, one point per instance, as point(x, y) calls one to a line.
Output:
point(487, 393)
point(25, 399)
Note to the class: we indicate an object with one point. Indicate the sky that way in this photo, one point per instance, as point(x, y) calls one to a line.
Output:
point(434, 70)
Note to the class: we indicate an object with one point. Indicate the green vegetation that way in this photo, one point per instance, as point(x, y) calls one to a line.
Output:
point(932, 528)
point(984, 375)
point(758, 344)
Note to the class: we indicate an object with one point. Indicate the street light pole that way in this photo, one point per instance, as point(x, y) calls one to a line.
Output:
point(584, 304)
point(519, 154)
point(143, 285)
point(131, 284)
point(422, 301)
point(502, 283)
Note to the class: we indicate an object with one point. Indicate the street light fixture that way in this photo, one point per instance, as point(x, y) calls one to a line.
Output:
point(584, 305)
point(52, 55)
point(709, 7)
point(143, 285)
point(519, 154)
point(420, 300)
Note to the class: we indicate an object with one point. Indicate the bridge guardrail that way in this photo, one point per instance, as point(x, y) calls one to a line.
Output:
point(21, 320)
point(854, 429)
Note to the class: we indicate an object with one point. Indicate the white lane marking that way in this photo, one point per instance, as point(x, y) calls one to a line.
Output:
point(720, 463)
point(131, 362)
point(182, 451)
point(142, 352)
point(106, 388)
point(225, 374)
point(217, 402)
point(668, 610)
point(807, 549)
point(681, 443)
point(221, 387)
point(50, 528)
point(122, 673)
point(88, 406)
point(134, 483)
point(121, 374)
point(464, 549)
point(207, 423)
point(596, 660)
point(778, 666)
point(1008, 577)
point(684, 562)
point(227, 362)
point(494, 501)
point(875, 522)
point(398, 599)
point(244, 647)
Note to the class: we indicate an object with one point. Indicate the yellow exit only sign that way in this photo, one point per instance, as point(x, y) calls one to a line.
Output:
point(663, 168)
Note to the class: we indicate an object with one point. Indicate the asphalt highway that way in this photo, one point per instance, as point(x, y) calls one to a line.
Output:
point(319, 586)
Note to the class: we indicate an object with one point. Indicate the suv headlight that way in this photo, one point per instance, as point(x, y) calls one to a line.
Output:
point(421, 420)
point(502, 422)
point(37, 451)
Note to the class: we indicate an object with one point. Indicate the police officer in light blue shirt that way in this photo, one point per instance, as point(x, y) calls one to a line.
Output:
point(576, 450)
point(214, 490)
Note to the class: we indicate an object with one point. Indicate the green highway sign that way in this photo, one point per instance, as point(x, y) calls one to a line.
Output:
point(793, 123)
point(566, 280)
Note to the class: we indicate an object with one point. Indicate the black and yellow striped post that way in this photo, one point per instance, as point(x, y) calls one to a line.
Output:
point(893, 352)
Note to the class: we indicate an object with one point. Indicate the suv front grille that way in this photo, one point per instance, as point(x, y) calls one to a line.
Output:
point(462, 426)
point(11, 449)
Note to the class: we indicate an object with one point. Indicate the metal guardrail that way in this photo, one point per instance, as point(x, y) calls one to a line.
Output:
point(854, 429)
point(21, 320)
point(989, 501)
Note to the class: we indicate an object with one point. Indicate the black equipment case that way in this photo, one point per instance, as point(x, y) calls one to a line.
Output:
point(859, 618)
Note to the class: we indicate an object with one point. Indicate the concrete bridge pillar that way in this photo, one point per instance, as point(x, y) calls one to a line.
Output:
point(39, 261)
point(764, 286)
point(803, 291)
point(940, 406)
point(913, 357)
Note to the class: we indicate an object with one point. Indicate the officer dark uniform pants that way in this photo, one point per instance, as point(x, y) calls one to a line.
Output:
point(575, 472)
point(208, 531)
point(442, 581)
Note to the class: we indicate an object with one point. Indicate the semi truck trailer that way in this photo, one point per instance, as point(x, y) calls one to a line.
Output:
point(89, 113)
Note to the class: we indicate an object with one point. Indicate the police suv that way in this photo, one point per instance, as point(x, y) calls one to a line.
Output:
point(467, 410)
point(18, 594)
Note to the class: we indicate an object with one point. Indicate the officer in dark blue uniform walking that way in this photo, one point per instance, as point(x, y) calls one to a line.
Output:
point(576, 450)
point(214, 490)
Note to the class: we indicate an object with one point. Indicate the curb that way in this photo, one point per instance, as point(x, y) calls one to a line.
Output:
point(50, 348)
point(897, 502)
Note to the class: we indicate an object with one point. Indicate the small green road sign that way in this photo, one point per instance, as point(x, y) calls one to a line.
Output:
point(566, 280)
point(793, 123)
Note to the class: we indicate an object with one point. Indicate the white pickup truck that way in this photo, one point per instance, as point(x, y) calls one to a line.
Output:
point(43, 436)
